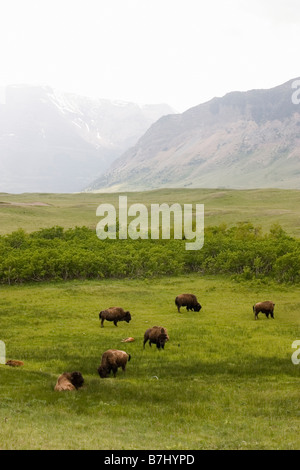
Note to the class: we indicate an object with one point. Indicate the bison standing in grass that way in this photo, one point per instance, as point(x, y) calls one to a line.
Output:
point(189, 301)
point(156, 335)
point(111, 360)
point(114, 314)
point(264, 307)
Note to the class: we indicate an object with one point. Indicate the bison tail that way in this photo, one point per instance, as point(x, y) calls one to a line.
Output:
point(129, 357)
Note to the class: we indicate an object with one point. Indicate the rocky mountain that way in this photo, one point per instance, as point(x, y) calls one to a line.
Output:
point(242, 140)
point(59, 142)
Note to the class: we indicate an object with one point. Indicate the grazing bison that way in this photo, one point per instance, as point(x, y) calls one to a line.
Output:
point(111, 360)
point(189, 301)
point(114, 314)
point(156, 335)
point(69, 381)
point(264, 307)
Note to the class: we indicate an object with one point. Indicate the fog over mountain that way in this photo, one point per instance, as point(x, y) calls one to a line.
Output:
point(52, 141)
point(242, 140)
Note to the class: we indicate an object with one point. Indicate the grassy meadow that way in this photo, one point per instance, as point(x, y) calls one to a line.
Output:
point(223, 381)
point(262, 207)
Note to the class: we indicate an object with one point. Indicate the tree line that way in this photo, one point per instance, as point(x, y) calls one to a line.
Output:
point(53, 254)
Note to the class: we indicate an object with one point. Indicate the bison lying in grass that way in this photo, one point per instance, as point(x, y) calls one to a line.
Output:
point(189, 301)
point(114, 314)
point(266, 307)
point(13, 363)
point(156, 335)
point(69, 381)
point(111, 360)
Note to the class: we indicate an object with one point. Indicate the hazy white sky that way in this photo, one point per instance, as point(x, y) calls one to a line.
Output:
point(181, 52)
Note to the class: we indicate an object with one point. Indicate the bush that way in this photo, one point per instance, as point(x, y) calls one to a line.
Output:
point(58, 254)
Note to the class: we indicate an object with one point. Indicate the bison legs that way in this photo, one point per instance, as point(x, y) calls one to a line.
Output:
point(116, 322)
point(266, 313)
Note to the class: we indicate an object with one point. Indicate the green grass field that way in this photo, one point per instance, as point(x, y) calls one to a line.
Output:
point(224, 380)
point(262, 207)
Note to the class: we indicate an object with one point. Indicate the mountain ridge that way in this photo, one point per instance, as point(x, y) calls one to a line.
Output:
point(241, 140)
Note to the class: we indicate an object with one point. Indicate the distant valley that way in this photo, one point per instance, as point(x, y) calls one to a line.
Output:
point(52, 141)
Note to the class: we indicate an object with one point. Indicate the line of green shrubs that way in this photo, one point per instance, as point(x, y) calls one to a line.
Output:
point(55, 253)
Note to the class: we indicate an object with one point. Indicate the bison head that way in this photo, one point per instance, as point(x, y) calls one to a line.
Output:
point(197, 307)
point(102, 372)
point(76, 379)
point(127, 317)
point(162, 339)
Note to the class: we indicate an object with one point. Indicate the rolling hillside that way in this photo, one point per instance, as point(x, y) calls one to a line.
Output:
point(261, 207)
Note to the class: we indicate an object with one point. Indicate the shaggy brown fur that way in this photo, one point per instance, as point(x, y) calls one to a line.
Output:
point(111, 360)
point(189, 301)
point(114, 314)
point(14, 363)
point(266, 307)
point(69, 381)
point(157, 335)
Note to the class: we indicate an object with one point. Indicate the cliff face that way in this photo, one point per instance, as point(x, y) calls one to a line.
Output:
point(243, 140)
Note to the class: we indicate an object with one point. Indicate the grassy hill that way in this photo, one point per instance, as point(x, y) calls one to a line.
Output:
point(224, 380)
point(261, 207)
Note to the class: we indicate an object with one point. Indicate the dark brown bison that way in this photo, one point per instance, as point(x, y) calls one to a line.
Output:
point(189, 301)
point(111, 360)
point(264, 307)
point(114, 314)
point(156, 335)
point(69, 381)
